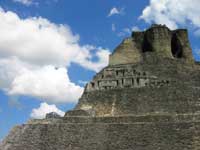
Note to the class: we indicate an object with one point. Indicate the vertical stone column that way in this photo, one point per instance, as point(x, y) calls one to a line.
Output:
point(182, 37)
point(158, 39)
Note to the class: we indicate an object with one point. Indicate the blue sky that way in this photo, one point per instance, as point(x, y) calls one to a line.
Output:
point(50, 48)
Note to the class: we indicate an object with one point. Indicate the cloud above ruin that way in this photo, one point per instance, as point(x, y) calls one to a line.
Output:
point(172, 12)
point(24, 2)
point(36, 55)
point(43, 109)
point(116, 11)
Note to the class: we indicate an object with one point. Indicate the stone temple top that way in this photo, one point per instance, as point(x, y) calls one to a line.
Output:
point(144, 75)
point(158, 41)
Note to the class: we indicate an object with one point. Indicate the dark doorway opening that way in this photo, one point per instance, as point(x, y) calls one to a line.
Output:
point(176, 47)
point(146, 45)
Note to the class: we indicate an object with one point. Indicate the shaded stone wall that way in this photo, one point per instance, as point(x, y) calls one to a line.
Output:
point(183, 44)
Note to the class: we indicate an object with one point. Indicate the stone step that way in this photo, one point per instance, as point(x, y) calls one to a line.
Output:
point(120, 119)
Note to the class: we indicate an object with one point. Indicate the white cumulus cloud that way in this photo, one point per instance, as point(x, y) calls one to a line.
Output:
point(197, 33)
point(172, 12)
point(128, 31)
point(113, 27)
point(47, 83)
point(135, 28)
point(24, 2)
point(40, 113)
point(35, 55)
point(124, 32)
point(115, 11)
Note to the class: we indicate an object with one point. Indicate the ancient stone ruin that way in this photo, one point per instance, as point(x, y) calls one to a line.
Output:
point(147, 98)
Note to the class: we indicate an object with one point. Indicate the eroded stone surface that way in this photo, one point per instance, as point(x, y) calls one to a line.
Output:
point(52, 115)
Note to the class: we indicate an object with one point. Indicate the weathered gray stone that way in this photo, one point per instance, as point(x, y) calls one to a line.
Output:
point(52, 115)
point(78, 113)
point(148, 98)
point(127, 52)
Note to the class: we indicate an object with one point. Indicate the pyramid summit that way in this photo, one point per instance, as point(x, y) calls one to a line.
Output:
point(158, 39)
point(147, 98)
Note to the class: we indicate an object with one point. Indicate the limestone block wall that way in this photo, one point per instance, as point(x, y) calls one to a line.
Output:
point(102, 136)
point(125, 53)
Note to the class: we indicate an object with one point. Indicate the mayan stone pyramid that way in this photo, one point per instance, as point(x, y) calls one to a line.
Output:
point(147, 98)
